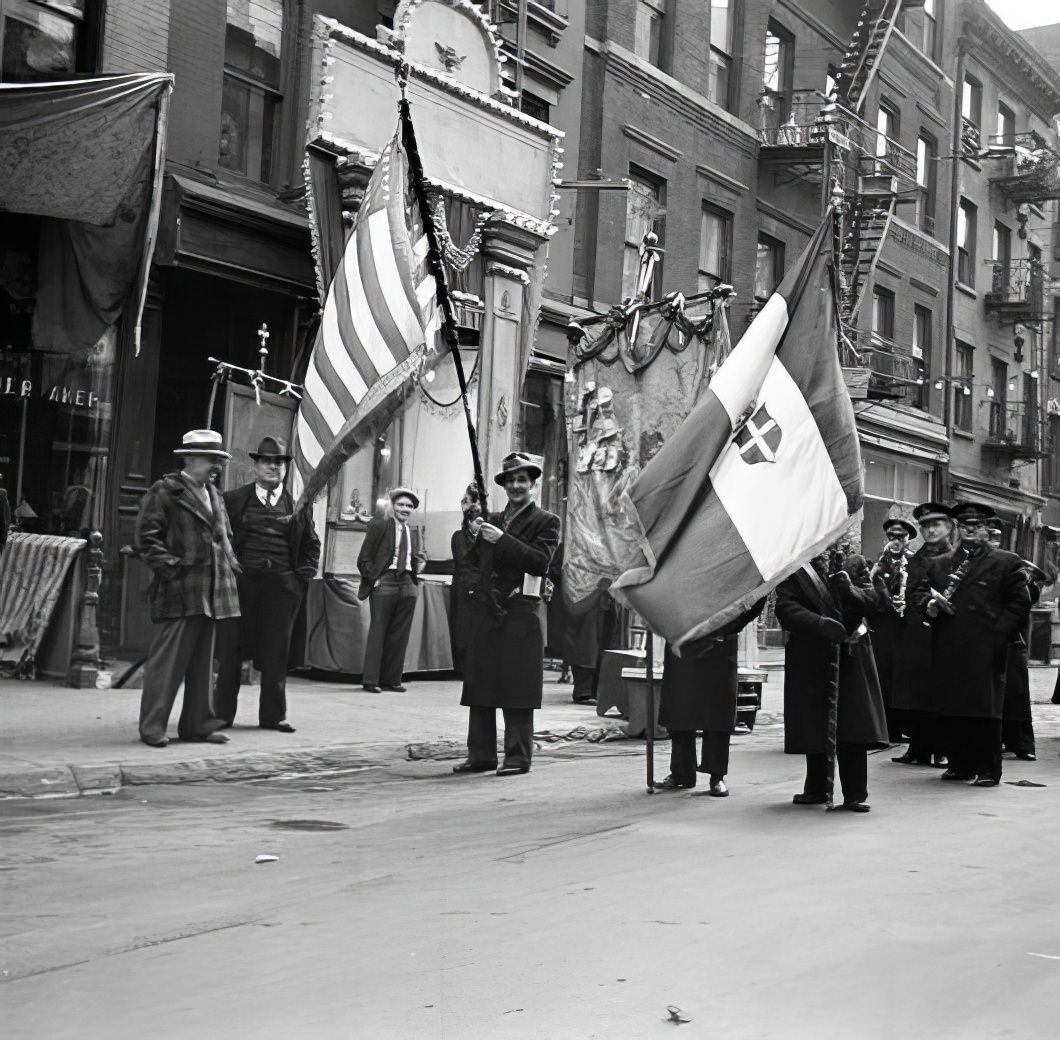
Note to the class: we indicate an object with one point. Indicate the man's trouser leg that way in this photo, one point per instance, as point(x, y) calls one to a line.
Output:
point(683, 755)
point(398, 631)
point(279, 597)
point(518, 737)
point(853, 764)
point(482, 737)
point(181, 651)
point(196, 716)
point(715, 757)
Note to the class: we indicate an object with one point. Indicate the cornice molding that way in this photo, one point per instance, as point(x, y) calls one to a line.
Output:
point(661, 147)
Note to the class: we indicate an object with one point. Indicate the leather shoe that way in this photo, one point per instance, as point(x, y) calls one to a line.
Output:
point(718, 789)
point(512, 770)
point(470, 767)
point(858, 807)
point(370, 688)
point(161, 742)
point(1027, 756)
point(952, 774)
point(671, 783)
point(396, 689)
point(215, 738)
point(810, 799)
point(986, 781)
point(281, 727)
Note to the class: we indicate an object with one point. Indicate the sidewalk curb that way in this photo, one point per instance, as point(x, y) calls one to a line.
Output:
point(73, 780)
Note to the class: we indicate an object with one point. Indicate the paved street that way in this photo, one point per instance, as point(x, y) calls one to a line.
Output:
point(566, 904)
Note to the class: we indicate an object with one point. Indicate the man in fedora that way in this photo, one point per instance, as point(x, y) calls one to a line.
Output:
point(505, 661)
point(279, 554)
point(183, 535)
point(390, 562)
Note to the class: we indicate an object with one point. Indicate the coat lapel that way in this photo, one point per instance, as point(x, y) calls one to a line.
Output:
point(191, 502)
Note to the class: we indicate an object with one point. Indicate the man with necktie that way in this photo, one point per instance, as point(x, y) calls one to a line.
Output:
point(390, 562)
point(279, 554)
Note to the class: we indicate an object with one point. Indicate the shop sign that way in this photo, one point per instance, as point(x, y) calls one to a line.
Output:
point(11, 386)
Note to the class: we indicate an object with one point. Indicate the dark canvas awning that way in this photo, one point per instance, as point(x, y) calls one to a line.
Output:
point(86, 155)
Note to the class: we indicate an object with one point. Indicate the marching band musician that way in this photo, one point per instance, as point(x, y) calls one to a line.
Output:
point(912, 689)
point(892, 572)
point(1017, 725)
point(978, 601)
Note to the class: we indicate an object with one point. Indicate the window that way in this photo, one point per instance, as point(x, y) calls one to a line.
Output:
point(1002, 255)
point(886, 132)
point(962, 388)
point(883, 313)
point(647, 32)
point(42, 39)
point(250, 96)
point(722, 15)
point(920, 25)
point(927, 181)
point(775, 101)
point(890, 481)
point(972, 101)
point(769, 267)
point(1006, 124)
point(715, 247)
point(535, 107)
point(998, 398)
point(1031, 420)
point(922, 326)
point(967, 214)
point(645, 211)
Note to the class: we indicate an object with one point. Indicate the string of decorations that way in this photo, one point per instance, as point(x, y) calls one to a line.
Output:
point(457, 257)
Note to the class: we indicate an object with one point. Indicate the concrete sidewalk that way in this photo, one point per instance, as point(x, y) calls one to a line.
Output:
point(59, 741)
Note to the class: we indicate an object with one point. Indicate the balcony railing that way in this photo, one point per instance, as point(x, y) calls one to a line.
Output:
point(894, 369)
point(1017, 288)
point(889, 157)
point(805, 118)
point(1028, 169)
point(1015, 431)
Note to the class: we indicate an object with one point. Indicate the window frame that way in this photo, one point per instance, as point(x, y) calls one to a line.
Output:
point(964, 376)
point(921, 345)
point(87, 32)
point(999, 399)
point(778, 247)
point(656, 30)
point(967, 211)
point(1005, 114)
point(883, 301)
point(276, 93)
point(927, 191)
point(725, 251)
point(722, 57)
point(972, 99)
point(638, 174)
point(785, 67)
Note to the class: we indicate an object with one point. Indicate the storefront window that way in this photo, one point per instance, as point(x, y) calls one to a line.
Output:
point(544, 434)
point(40, 39)
point(56, 408)
point(893, 486)
point(250, 97)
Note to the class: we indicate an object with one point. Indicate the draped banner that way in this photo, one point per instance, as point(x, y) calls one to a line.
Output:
point(638, 371)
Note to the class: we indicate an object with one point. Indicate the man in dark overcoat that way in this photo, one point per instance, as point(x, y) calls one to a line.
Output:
point(912, 690)
point(830, 677)
point(978, 601)
point(505, 661)
point(892, 570)
point(1017, 723)
point(390, 562)
point(699, 694)
point(279, 554)
point(183, 535)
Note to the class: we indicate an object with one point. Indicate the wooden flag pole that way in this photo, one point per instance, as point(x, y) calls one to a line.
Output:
point(434, 260)
point(649, 733)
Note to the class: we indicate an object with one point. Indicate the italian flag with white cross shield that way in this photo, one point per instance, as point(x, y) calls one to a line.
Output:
point(763, 474)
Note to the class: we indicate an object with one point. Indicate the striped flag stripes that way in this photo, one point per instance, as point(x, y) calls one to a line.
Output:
point(378, 328)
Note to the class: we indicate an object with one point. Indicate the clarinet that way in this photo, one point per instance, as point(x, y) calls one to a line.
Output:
point(903, 579)
point(899, 566)
point(956, 577)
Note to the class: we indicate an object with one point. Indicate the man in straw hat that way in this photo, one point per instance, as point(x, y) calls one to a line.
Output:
point(390, 562)
point(183, 535)
point(279, 556)
point(505, 661)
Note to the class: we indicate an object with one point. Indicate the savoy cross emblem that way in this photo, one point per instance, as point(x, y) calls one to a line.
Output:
point(759, 439)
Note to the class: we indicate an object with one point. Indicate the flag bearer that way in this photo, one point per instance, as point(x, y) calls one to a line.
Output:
point(505, 661)
point(829, 674)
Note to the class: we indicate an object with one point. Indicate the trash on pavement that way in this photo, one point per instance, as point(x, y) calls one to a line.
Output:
point(267, 859)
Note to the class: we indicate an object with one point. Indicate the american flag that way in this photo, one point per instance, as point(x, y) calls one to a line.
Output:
point(377, 330)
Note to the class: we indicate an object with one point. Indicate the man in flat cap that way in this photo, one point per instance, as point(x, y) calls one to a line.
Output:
point(891, 574)
point(183, 535)
point(390, 562)
point(279, 554)
point(505, 661)
point(913, 694)
point(978, 601)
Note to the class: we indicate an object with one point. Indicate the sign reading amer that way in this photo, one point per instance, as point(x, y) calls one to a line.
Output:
point(473, 144)
point(22, 388)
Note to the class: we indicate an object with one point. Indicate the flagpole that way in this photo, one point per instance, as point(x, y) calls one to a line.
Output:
point(437, 267)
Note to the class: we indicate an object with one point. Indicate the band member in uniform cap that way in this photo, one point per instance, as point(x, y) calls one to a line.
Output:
point(892, 572)
point(390, 562)
point(183, 535)
point(828, 661)
point(978, 601)
point(505, 664)
point(699, 694)
point(912, 691)
point(279, 554)
point(1017, 724)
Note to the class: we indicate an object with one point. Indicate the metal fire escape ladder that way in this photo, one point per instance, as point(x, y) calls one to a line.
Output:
point(871, 220)
point(862, 59)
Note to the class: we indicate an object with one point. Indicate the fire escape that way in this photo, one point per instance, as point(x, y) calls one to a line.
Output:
point(826, 142)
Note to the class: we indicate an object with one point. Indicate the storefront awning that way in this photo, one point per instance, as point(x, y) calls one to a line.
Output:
point(86, 156)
